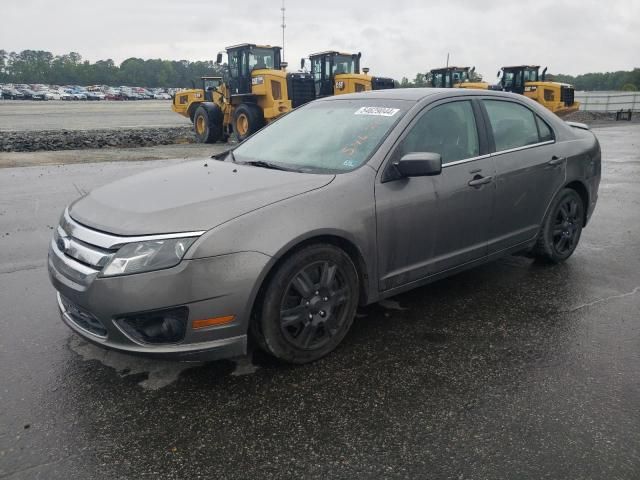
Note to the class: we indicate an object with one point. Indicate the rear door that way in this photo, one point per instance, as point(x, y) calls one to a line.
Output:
point(529, 170)
point(429, 224)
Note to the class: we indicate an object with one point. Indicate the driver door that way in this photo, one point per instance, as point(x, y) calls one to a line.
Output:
point(427, 225)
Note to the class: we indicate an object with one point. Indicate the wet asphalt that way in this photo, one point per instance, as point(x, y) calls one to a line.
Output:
point(514, 370)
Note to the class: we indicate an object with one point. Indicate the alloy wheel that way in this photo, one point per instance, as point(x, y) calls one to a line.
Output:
point(314, 306)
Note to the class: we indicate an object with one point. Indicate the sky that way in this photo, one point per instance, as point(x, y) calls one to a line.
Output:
point(397, 38)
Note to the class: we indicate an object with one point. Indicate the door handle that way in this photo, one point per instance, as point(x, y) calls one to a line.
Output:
point(555, 161)
point(478, 181)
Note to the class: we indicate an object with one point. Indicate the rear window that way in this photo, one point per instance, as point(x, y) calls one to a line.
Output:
point(513, 125)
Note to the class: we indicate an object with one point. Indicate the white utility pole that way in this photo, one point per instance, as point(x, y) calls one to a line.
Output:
point(284, 25)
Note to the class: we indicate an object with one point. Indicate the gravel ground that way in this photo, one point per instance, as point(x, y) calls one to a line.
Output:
point(77, 139)
point(597, 118)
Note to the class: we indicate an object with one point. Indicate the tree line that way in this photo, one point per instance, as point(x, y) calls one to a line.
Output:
point(38, 66)
point(621, 80)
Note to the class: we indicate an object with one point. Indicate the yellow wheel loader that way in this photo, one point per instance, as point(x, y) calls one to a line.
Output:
point(455, 77)
point(255, 91)
point(525, 80)
point(336, 73)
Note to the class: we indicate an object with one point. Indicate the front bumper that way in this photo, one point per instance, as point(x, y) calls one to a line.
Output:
point(209, 288)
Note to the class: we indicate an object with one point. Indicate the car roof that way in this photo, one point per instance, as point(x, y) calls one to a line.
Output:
point(416, 94)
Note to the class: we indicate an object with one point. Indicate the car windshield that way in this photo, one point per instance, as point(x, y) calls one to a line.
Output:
point(343, 64)
point(261, 58)
point(324, 137)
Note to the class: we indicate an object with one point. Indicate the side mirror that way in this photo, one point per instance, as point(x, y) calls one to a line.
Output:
point(419, 164)
point(302, 64)
point(498, 75)
point(219, 59)
point(544, 74)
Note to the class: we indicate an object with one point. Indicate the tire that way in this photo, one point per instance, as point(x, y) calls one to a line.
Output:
point(207, 123)
point(561, 229)
point(247, 120)
point(308, 306)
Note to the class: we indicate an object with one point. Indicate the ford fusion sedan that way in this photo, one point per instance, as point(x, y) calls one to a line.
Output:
point(340, 203)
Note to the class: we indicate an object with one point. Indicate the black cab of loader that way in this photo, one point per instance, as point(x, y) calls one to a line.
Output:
point(326, 65)
point(449, 77)
point(245, 58)
point(514, 78)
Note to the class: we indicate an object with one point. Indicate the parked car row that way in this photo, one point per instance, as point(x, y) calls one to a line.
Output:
point(76, 92)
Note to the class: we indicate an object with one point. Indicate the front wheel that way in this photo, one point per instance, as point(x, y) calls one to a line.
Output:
point(561, 229)
point(309, 305)
point(247, 120)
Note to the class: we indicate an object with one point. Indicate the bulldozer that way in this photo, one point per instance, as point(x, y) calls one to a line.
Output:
point(336, 73)
point(255, 91)
point(526, 80)
point(455, 77)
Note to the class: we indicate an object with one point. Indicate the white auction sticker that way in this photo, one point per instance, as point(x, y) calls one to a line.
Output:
point(377, 111)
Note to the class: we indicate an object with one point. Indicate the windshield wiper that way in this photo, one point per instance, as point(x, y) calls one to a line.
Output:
point(263, 164)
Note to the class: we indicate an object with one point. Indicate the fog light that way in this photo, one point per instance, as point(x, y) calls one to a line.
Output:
point(159, 327)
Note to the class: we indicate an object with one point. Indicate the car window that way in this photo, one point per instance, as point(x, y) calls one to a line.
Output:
point(448, 129)
point(546, 134)
point(513, 125)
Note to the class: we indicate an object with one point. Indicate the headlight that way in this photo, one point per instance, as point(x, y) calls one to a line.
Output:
point(147, 256)
point(259, 80)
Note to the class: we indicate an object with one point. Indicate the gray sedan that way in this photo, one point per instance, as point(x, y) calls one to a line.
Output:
point(340, 203)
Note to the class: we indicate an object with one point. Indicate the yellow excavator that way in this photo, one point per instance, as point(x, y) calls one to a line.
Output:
point(455, 77)
point(526, 80)
point(255, 91)
point(337, 73)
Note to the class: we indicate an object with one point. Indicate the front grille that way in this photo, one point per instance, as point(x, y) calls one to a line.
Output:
point(83, 319)
point(382, 83)
point(301, 88)
point(567, 95)
point(85, 253)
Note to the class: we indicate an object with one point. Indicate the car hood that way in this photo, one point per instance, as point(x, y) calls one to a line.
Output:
point(188, 197)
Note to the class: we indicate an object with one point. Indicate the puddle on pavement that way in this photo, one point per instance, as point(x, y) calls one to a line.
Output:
point(160, 373)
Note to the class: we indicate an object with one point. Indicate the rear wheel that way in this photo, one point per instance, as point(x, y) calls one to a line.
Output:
point(207, 124)
point(561, 229)
point(247, 120)
point(309, 305)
